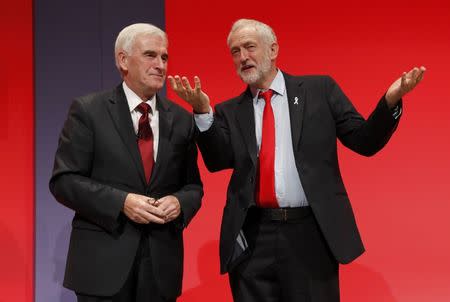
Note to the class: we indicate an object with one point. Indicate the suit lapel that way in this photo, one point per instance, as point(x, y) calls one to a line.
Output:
point(246, 119)
point(165, 132)
point(120, 113)
point(296, 95)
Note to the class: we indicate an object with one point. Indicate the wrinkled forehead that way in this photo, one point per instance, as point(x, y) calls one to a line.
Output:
point(150, 41)
point(245, 35)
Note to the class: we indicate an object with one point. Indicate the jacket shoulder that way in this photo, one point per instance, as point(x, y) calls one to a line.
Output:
point(97, 97)
point(309, 79)
point(231, 103)
point(175, 107)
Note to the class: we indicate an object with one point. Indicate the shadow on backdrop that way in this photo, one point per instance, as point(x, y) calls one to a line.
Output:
point(212, 285)
point(361, 283)
point(12, 271)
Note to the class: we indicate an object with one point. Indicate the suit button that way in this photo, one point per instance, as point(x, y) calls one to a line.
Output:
point(252, 179)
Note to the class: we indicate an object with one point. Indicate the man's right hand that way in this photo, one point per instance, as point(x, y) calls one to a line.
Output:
point(142, 209)
point(195, 97)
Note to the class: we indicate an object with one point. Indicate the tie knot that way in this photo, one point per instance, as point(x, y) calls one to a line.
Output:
point(144, 108)
point(266, 95)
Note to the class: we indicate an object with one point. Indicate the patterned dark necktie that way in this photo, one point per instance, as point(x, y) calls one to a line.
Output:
point(145, 139)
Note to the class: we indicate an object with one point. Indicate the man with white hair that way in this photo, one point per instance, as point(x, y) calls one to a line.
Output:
point(126, 163)
point(288, 221)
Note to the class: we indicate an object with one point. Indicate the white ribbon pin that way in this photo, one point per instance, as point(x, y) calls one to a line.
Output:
point(296, 101)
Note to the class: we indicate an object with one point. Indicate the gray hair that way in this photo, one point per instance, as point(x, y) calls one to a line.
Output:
point(264, 30)
point(126, 37)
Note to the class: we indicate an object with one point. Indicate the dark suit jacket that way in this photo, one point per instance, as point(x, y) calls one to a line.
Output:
point(322, 114)
point(97, 164)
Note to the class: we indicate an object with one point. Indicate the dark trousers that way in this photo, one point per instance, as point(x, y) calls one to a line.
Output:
point(140, 285)
point(288, 261)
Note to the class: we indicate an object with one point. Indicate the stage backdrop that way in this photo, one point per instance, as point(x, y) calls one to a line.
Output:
point(400, 196)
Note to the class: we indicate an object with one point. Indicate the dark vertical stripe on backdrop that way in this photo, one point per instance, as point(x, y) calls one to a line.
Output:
point(74, 47)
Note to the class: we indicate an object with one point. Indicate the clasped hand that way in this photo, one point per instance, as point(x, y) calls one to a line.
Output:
point(143, 209)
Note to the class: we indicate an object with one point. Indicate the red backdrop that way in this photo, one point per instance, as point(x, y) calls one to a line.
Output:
point(16, 144)
point(400, 196)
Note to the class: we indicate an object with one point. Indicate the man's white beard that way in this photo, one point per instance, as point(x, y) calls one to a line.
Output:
point(256, 75)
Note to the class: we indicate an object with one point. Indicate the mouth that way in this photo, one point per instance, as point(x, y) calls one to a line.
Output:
point(157, 75)
point(246, 68)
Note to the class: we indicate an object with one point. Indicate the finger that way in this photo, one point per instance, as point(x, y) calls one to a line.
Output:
point(179, 84)
point(403, 82)
point(169, 218)
point(414, 73)
point(156, 203)
point(186, 84)
point(168, 209)
point(148, 208)
point(151, 201)
point(149, 213)
point(140, 217)
point(172, 215)
point(420, 76)
point(414, 78)
point(198, 85)
point(173, 211)
point(421, 72)
point(154, 218)
point(163, 206)
point(172, 83)
point(155, 211)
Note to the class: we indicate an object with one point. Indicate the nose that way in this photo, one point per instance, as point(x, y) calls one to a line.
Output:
point(243, 57)
point(160, 64)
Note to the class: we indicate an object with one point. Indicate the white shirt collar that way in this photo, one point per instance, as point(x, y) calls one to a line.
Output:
point(278, 85)
point(134, 101)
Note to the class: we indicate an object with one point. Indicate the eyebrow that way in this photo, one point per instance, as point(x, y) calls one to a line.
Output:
point(149, 52)
point(154, 53)
point(248, 43)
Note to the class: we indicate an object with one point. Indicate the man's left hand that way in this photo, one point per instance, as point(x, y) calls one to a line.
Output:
point(170, 206)
point(403, 85)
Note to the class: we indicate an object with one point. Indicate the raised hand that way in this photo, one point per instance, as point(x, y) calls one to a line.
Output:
point(194, 96)
point(407, 82)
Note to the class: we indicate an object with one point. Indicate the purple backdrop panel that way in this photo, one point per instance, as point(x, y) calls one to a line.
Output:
point(74, 46)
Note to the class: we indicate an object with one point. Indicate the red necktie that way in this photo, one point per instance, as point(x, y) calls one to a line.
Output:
point(267, 197)
point(145, 140)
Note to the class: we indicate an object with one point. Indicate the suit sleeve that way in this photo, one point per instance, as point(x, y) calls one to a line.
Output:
point(71, 183)
point(190, 195)
point(365, 137)
point(215, 143)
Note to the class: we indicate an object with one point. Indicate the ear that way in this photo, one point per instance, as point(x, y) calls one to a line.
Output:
point(122, 60)
point(274, 50)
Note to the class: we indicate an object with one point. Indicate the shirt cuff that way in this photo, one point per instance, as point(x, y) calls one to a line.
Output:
point(396, 112)
point(204, 120)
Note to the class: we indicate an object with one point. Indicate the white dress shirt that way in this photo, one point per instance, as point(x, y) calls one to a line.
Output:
point(134, 101)
point(288, 188)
